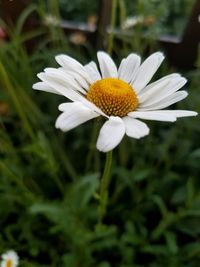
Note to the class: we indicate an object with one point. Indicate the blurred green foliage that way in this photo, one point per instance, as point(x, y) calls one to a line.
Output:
point(170, 16)
point(49, 180)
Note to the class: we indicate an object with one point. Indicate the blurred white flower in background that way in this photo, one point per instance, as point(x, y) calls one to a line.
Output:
point(9, 259)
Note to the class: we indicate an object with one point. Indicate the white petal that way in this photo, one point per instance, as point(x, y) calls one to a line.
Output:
point(162, 115)
point(151, 85)
point(110, 134)
point(79, 79)
point(135, 128)
point(168, 101)
point(129, 67)
point(92, 106)
point(68, 78)
point(87, 104)
point(107, 65)
point(57, 85)
point(162, 90)
point(153, 115)
point(70, 63)
point(68, 92)
point(42, 86)
point(181, 113)
point(74, 114)
point(147, 70)
point(92, 71)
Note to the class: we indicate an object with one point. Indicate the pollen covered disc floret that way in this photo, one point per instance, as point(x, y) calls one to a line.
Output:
point(113, 96)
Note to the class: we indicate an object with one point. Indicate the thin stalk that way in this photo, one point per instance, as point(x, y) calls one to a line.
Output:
point(53, 7)
point(112, 26)
point(15, 100)
point(17, 180)
point(105, 181)
point(65, 161)
point(55, 31)
point(92, 146)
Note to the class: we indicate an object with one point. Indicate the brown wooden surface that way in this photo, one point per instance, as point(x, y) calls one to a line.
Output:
point(10, 11)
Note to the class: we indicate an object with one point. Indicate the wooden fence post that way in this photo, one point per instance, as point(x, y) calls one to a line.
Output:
point(104, 19)
point(183, 53)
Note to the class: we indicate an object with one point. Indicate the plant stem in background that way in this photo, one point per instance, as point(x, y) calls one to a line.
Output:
point(105, 181)
point(12, 92)
point(92, 145)
point(112, 26)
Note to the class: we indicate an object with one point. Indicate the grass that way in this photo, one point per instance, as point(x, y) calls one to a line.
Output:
point(49, 179)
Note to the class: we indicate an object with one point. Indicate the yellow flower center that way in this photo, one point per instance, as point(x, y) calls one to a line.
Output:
point(113, 96)
point(9, 263)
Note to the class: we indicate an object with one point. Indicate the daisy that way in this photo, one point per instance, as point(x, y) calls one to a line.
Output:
point(122, 95)
point(10, 259)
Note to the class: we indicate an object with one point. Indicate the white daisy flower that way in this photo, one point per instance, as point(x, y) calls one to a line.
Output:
point(121, 95)
point(10, 259)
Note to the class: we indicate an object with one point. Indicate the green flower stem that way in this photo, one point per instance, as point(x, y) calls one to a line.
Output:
point(105, 181)
point(92, 146)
